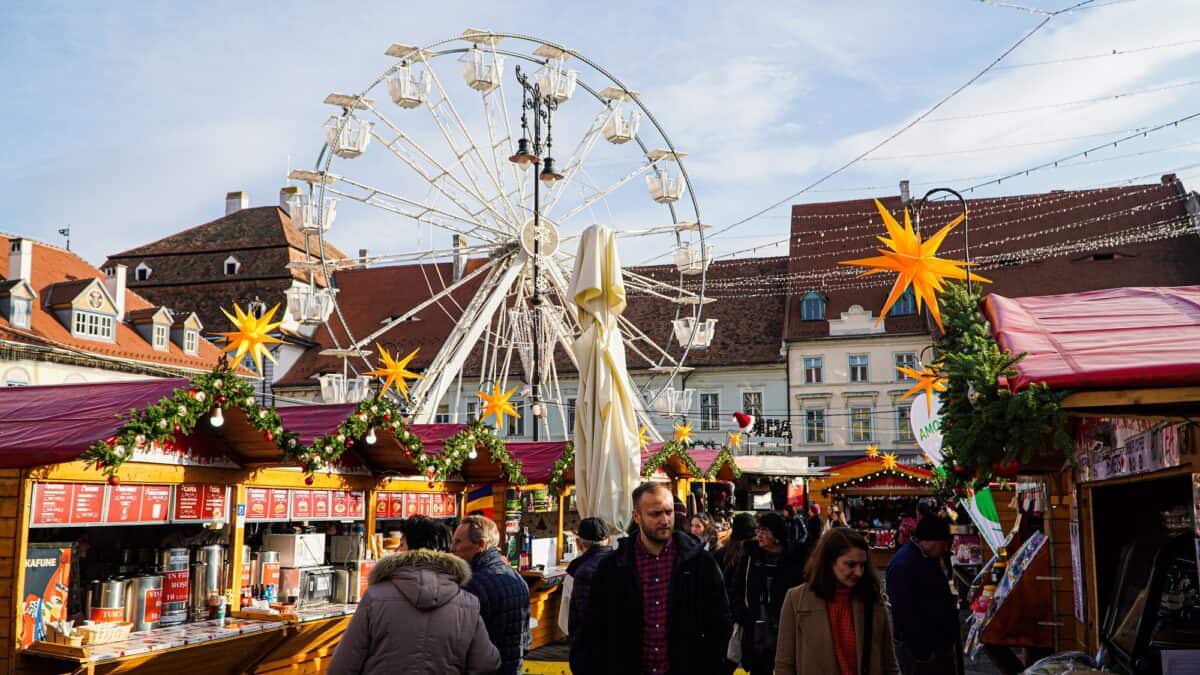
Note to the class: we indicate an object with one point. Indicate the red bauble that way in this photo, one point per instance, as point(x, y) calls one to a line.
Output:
point(99, 464)
point(349, 442)
point(114, 481)
point(308, 480)
point(430, 483)
point(270, 436)
point(221, 400)
point(176, 428)
point(387, 417)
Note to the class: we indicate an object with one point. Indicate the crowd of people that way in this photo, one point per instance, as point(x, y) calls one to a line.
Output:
point(787, 593)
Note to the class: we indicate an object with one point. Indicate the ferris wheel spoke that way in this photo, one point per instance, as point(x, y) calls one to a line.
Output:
point(579, 155)
point(466, 150)
point(464, 338)
point(660, 289)
point(418, 211)
point(601, 194)
point(441, 177)
point(500, 136)
point(636, 335)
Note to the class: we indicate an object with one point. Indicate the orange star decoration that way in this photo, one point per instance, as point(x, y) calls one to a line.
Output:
point(252, 336)
point(497, 404)
point(643, 437)
point(872, 451)
point(915, 262)
point(889, 460)
point(395, 371)
point(928, 381)
point(735, 440)
point(683, 433)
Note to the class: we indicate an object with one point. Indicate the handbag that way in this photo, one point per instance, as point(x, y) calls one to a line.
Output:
point(733, 651)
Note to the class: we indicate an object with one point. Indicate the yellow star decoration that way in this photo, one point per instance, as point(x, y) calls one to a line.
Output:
point(683, 433)
point(928, 381)
point(872, 451)
point(916, 263)
point(889, 460)
point(395, 371)
point(735, 440)
point(497, 404)
point(643, 437)
point(252, 335)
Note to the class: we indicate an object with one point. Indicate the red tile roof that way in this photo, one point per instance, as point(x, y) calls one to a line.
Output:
point(1028, 245)
point(50, 267)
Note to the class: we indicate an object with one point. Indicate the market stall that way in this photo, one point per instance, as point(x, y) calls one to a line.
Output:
point(876, 495)
point(1127, 361)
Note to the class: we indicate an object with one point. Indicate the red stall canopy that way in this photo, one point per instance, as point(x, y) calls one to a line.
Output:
point(1118, 338)
point(53, 424)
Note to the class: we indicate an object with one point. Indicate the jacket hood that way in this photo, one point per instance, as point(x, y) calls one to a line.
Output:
point(428, 579)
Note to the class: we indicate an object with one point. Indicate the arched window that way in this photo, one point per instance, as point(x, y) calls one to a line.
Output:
point(906, 304)
point(812, 308)
point(232, 265)
point(142, 272)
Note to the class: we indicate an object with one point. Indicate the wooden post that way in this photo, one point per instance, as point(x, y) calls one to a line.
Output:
point(558, 545)
point(372, 501)
point(238, 537)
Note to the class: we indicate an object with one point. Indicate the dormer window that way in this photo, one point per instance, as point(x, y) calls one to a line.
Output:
point(812, 308)
point(161, 335)
point(191, 341)
point(92, 326)
point(21, 312)
point(232, 266)
point(906, 304)
point(142, 272)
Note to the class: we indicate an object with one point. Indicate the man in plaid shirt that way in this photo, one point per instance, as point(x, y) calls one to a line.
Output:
point(658, 602)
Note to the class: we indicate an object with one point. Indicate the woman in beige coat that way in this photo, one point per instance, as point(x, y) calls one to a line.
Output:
point(822, 630)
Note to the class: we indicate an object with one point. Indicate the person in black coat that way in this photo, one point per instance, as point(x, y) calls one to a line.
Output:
point(772, 564)
point(697, 610)
point(503, 594)
point(924, 616)
point(593, 538)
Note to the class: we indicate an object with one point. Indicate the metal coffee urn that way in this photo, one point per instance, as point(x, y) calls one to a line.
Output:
point(198, 592)
point(143, 601)
point(107, 601)
point(173, 564)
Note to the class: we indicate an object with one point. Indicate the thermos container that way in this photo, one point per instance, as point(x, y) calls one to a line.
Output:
point(197, 591)
point(173, 564)
point(107, 601)
point(143, 601)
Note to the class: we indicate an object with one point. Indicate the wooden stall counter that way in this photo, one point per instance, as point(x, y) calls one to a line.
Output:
point(545, 594)
point(165, 650)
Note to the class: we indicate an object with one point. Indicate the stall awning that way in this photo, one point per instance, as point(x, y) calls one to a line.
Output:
point(776, 465)
point(1120, 338)
point(53, 424)
point(537, 459)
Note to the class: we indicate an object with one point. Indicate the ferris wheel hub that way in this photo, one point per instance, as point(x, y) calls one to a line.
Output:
point(545, 231)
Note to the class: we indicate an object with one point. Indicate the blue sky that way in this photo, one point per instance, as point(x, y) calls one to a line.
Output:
point(130, 121)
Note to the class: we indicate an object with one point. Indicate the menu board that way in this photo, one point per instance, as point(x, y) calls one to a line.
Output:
point(301, 505)
point(397, 505)
point(320, 499)
point(201, 503)
point(282, 504)
point(258, 501)
point(356, 504)
point(83, 504)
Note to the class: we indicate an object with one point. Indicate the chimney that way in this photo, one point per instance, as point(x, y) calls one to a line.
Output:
point(460, 256)
point(905, 195)
point(20, 259)
point(236, 201)
point(114, 281)
point(362, 258)
point(285, 197)
point(1169, 179)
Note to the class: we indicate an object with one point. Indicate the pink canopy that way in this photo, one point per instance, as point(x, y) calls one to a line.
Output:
point(537, 459)
point(53, 424)
point(1115, 338)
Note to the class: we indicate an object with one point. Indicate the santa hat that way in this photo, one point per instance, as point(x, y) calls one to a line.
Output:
point(744, 422)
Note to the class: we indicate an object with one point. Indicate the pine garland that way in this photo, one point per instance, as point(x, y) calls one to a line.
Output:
point(724, 457)
point(988, 430)
point(668, 450)
point(558, 474)
point(477, 436)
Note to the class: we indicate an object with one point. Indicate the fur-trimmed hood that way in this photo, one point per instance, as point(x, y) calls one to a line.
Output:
point(429, 579)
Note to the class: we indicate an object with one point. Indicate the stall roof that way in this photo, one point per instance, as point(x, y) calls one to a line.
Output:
point(1118, 338)
point(53, 424)
point(776, 465)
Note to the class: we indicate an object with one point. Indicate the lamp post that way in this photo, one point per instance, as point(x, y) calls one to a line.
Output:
point(529, 152)
point(966, 217)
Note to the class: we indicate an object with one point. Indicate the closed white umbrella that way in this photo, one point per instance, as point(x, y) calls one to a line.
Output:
point(607, 454)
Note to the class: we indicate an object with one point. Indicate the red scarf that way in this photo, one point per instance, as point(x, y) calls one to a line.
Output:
point(841, 625)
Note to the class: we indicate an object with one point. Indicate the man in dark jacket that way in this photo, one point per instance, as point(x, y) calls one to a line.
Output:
point(658, 601)
point(924, 618)
point(593, 538)
point(771, 565)
point(503, 594)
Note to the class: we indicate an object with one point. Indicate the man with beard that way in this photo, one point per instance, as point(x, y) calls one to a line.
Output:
point(658, 601)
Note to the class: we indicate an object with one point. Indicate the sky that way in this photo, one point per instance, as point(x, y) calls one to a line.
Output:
point(130, 121)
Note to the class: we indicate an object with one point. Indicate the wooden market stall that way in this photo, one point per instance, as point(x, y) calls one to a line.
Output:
point(875, 495)
point(1121, 535)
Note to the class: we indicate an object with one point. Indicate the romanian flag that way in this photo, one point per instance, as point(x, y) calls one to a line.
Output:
point(480, 500)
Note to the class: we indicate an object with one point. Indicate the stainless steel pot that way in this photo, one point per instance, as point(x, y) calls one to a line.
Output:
point(143, 601)
point(108, 601)
point(173, 564)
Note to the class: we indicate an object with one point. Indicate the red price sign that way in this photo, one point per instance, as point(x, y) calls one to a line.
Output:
point(397, 509)
point(279, 504)
point(423, 502)
point(410, 505)
point(320, 500)
point(175, 586)
point(341, 506)
point(383, 505)
point(124, 504)
point(189, 502)
point(156, 500)
point(214, 502)
point(52, 503)
point(258, 501)
point(301, 504)
point(88, 504)
point(357, 504)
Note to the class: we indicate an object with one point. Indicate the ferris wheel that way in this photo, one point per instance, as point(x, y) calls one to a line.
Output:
point(453, 148)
